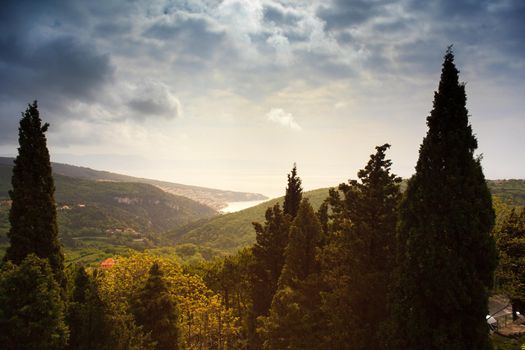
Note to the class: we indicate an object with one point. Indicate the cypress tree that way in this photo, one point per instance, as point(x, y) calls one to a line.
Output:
point(295, 320)
point(33, 212)
point(447, 255)
point(155, 310)
point(294, 193)
point(359, 260)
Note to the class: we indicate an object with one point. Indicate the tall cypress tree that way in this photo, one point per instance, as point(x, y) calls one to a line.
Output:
point(447, 254)
point(294, 193)
point(33, 211)
point(359, 260)
point(157, 313)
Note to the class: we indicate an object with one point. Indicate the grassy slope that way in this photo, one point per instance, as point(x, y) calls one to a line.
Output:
point(230, 232)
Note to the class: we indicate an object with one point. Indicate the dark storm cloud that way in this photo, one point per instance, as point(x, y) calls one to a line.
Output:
point(40, 61)
point(415, 30)
point(345, 13)
point(191, 35)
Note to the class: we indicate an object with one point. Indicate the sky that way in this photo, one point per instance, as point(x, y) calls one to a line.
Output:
point(229, 94)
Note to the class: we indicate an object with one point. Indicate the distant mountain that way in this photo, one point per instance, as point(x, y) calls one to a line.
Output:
point(214, 198)
point(131, 214)
point(230, 232)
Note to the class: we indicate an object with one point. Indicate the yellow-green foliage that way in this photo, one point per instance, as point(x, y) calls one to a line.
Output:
point(205, 322)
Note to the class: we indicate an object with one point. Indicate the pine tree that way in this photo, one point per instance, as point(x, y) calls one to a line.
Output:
point(268, 260)
point(33, 212)
point(447, 254)
point(87, 316)
point(294, 193)
point(268, 252)
point(31, 308)
point(155, 310)
point(295, 320)
point(359, 260)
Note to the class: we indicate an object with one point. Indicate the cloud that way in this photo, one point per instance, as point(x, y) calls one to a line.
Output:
point(81, 62)
point(153, 99)
point(279, 116)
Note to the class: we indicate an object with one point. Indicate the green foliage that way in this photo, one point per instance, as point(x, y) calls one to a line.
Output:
point(268, 260)
point(294, 193)
point(32, 217)
point(447, 255)
point(510, 191)
point(234, 231)
point(359, 260)
point(510, 274)
point(213, 198)
point(503, 343)
point(87, 316)
point(204, 321)
point(295, 320)
point(268, 257)
point(31, 308)
point(155, 310)
point(230, 277)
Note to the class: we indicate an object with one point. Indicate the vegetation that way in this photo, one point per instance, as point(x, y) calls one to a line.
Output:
point(447, 254)
point(32, 217)
point(216, 199)
point(231, 232)
point(130, 214)
point(155, 311)
point(510, 191)
point(294, 194)
point(359, 259)
point(269, 253)
point(510, 274)
point(31, 307)
point(295, 320)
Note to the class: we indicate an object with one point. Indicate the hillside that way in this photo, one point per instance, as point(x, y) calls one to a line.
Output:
point(233, 231)
point(132, 214)
point(214, 198)
point(510, 191)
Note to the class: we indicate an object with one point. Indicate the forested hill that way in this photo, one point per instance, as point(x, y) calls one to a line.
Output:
point(115, 212)
point(233, 231)
point(511, 191)
point(217, 199)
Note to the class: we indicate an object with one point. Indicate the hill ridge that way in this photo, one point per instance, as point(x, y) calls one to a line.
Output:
point(214, 198)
